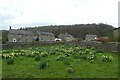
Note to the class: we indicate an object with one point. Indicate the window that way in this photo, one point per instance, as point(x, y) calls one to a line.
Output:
point(19, 35)
point(37, 39)
point(41, 38)
point(14, 40)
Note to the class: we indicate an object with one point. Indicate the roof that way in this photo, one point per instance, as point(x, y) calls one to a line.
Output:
point(45, 33)
point(90, 35)
point(22, 32)
point(66, 35)
point(117, 28)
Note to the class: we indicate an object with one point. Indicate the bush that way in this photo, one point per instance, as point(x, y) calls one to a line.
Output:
point(28, 55)
point(77, 56)
point(51, 52)
point(42, 65)
point(60, 57)
point(44, 54)
point(69, 70)
point(37, 58)
point(67, 61)
point(10, 61)
point(107, 58)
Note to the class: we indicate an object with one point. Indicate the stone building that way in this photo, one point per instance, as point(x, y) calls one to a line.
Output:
point(45, 36)
point(20, 36)
point(90, 37)
point(66, 37)
point(29, 36)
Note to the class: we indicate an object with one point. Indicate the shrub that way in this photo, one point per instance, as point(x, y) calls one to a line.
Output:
point(44, 54)
point(42, 65)
point(69, 70)
point(91, 57)
point(67, 61)
point(10, 61)
point(77, 56)
point(51, 52)
point(83, 56)
point(91, 61)
point(60, 57)
point(28, 55)
point(107, 58)
point(37, 58)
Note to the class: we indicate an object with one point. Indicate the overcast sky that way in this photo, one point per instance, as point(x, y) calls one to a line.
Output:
point(26, 13)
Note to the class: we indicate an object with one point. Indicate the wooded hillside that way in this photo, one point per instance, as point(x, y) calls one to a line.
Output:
point(77, 30)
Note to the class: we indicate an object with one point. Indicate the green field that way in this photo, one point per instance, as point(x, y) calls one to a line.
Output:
point(59, 61)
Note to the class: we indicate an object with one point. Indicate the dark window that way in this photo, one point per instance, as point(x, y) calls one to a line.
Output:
point(37, 39)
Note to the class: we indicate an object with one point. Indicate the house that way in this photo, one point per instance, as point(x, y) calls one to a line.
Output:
point(45, 36)
point(90, 37)
point(29, 36)
point(20, 36)
point(66, 37)
point(116, 34)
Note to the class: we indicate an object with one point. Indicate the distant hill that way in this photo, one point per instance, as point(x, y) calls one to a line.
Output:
point(77, 30)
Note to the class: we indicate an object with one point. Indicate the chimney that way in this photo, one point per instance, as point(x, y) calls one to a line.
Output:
point(10, 27)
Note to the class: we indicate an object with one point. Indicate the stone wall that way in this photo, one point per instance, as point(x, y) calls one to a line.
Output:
point(100, 46)
point(11, 45)
point(111, 46)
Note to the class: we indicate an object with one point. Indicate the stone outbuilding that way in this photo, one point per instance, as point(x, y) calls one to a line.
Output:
point(66, 37)
point(90, 37)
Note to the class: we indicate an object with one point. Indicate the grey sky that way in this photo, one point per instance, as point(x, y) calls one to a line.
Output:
point(22, 13)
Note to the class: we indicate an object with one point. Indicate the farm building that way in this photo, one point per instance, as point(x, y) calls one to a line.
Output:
point(66, 37)
point(28, 36)
point(45, 36)
point(90, 37)
point(20, 36)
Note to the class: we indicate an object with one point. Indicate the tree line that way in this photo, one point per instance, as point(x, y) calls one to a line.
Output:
point(77, 30)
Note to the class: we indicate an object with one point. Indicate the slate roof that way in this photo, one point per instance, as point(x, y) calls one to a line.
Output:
point(91, 35)
point(45, 33)
point(65, 35)
point(22, 32)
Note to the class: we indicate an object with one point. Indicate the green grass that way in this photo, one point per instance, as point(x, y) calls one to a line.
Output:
point(26, 67)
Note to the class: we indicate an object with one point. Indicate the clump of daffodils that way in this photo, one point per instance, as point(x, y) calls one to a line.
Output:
point(107, 58)
point(70, 70)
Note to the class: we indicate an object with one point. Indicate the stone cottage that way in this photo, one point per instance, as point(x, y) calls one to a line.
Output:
point(20, 36)
point(90, 37)
point(28, 36)
point(45, 36)
point(66, 37)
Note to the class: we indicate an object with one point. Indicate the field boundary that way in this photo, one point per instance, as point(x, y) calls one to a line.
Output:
point(101, 46)
point(110, 46)
point(11, 45)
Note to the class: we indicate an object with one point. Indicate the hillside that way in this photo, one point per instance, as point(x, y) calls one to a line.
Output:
point(77, 30)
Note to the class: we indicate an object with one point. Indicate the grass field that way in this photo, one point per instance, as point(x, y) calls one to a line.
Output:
point(59, 61)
